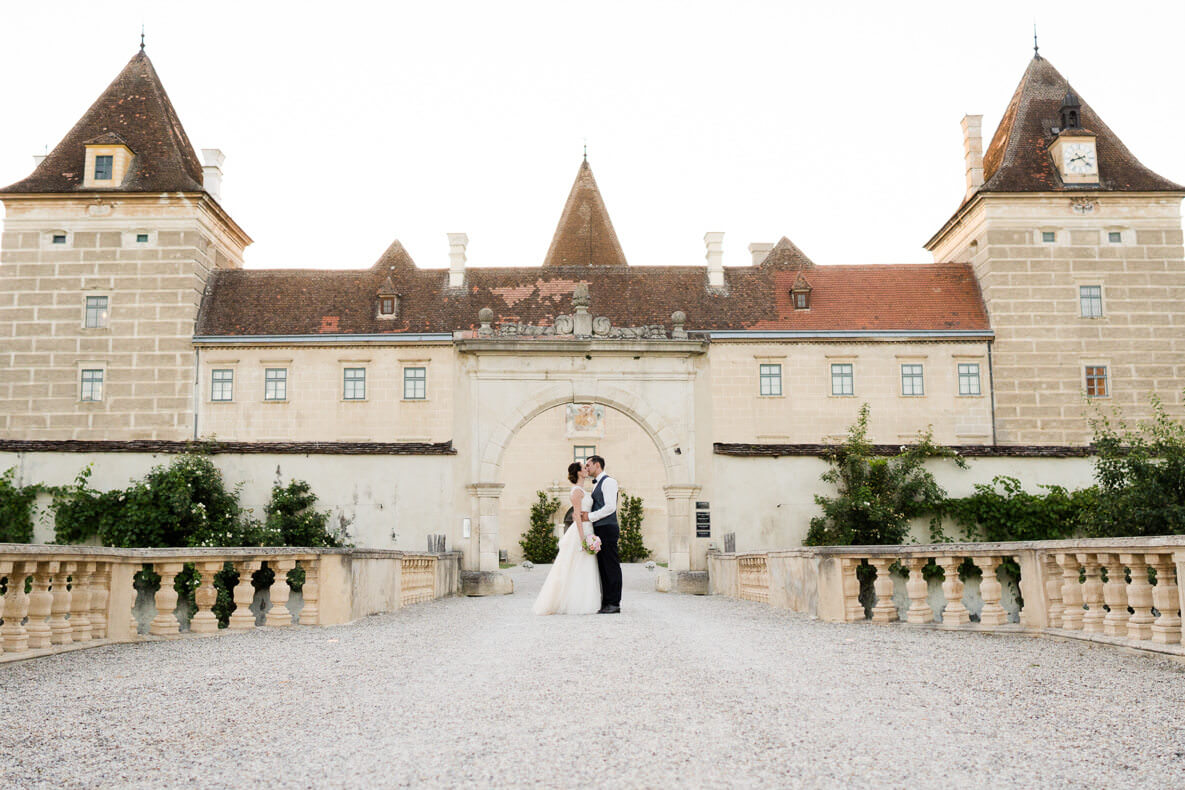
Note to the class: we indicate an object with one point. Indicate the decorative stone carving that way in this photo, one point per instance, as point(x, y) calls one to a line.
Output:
point(990, 590)
point(205, 596)
point(1114, 596)
point(1083, 205)
point(242, 618)
point(917, 588)
point(954, 613)
point(581, 324)
point(678, 318)
point(885, 610)
point(165, 622)
point(278, 615)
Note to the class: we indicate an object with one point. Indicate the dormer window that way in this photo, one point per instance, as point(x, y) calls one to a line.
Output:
point(800, 294)
point(103, 167)
point(387, 305)
point(801, 301)
point(108, 160)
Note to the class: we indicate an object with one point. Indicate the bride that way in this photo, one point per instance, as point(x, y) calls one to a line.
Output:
point(573, 586)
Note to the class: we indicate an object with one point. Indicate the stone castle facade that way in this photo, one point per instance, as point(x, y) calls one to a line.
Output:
point(128, 323)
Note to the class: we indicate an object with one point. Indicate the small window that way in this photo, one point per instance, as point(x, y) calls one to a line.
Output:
point(92, 386)
point(222, 385)
point(1090, 300)
point(969, 378)
point(801, 301)
point(771, 380)
point(1096, 381)
point(582, 452)
point(415, 383)
point(96, 312)
point(1048, 236)
point(1115, 237)
point(59, 238)
point(354, 384)
point(103, 165)
point(911, 381)
point(275, 384)
point(141, 238)
point(387, 305)
point(842, 379)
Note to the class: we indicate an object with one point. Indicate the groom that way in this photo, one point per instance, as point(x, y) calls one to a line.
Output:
point(604, 521)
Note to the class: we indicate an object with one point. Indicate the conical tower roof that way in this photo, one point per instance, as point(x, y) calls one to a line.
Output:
point(1018, 160)
point(786, 253)
point(134, 110)
point(585, 235)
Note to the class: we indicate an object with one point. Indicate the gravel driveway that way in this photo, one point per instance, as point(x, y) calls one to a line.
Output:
point(677, 691)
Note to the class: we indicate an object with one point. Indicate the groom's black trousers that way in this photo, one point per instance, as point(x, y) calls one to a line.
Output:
point(609, 564)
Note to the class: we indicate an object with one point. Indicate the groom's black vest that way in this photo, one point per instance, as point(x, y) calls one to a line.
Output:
point(598, 502)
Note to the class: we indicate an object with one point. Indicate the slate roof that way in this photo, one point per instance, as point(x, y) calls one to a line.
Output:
point(585, 235)
point(134, 111)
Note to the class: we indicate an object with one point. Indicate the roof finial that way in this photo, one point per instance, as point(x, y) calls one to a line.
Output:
point(1036, 54)
point(585, 149)
point(141, 37)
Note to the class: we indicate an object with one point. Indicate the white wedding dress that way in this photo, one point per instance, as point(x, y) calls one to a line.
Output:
point(573, 585)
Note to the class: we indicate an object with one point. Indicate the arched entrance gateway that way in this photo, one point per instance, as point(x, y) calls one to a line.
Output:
point(534, 399)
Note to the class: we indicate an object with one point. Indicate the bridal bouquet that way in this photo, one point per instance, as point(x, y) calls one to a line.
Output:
point(592, 545)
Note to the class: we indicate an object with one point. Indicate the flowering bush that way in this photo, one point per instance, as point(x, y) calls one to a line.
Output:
point(592, 545)
point(16, 509)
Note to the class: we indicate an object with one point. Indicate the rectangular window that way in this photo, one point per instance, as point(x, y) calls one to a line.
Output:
point(92, 385)
point(275, 384)
point(141, 238)
point(222, 385)
point(582, 452)
point(354, 384)
point(103, 166)
point(59, 238)
point(1115, 237)
point(1048, 236)
point(96, 312)
point(842, 379)
point(1096, 381)
point(911, 380)
point(415, 383)
point(771, 380)
point(387, 305)
point(1090, 298)
point(969, 378)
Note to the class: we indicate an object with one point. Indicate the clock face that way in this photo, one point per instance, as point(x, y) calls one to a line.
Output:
point(1079, 159)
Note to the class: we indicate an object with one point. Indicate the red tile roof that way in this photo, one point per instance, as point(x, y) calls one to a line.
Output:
point(585, 235)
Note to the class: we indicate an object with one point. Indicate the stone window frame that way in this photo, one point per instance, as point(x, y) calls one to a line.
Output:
point(216, 379)
point(978, 377)
point(394, 299)
point(47, 239)
point(576, 448)
point(107, 159)
point(767, 375)
point(268, 368)
point(1124, 235)
point(851, 378)
point(1102, 305)
point(91, 366)
point(105, 317)
point(353, 367)
point(409, 363)
point(1088, 365)
point(1057, 236)
point(130, 236)
point(920, 378)
point(419, 383)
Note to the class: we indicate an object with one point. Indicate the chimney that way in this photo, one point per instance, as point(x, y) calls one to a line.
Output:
point(759, 249)
point(212, 172)
point(715, 255)
point(457, 242)
point(38, 159)
point(973, 152)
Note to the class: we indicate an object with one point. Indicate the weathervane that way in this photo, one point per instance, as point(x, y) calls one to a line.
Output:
point(586, 149)
point(1036, 54)
point(141, 38)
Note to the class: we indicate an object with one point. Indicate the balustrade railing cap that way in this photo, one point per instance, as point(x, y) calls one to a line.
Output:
point(1137, 544)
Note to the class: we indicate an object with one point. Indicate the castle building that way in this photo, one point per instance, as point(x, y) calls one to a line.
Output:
point(439, 401)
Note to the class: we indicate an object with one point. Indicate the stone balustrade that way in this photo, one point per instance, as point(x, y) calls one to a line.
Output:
point(1122, 591)
point(64, 597)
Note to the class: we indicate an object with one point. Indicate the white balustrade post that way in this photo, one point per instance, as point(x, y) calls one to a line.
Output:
point(100, 595)
point(917, 588)
point(885, 611)
point(311, 592)
point(1114, 596)
point(165, 623)
point(1071, 592)
point(242, 618)
point(1167, 628)
point(853, 610)
point(954, 613)
point(1053, 591)
point(80, 601)
point(278, 615)
point(1092, 593)
point(204, 620)
point(40, 606)
point(990, 590)
point(16, 606)
point(1139, 598)
point(61, 632)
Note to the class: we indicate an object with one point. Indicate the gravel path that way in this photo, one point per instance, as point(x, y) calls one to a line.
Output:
point(677, 691)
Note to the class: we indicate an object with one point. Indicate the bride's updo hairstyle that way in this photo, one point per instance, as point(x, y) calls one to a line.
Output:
point(574, 471)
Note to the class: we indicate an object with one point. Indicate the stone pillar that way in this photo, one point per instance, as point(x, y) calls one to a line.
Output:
point(61, 632)
point(242, 618)
point(1053, 590)
point(853, 610)
point(205, 596)
point(1092, 593)
point(919, 608)
point(165, 622)
point(100, 595)
point(80, 602)
point(1114, 596)
point(954, 613)
point(16, 605)
point(489, 500)
point(278, 615)
point(40, 606)
point(990, 590)
point(1071, 592)
point(680, 525)
point(1167, 628)
point(1139, 597)
point(885, 611)
point(311, 614)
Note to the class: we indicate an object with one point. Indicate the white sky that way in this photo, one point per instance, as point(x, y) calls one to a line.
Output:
point(347, 125)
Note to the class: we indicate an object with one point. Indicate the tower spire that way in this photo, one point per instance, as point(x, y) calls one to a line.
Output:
point(1036, 53)
point(141, 38)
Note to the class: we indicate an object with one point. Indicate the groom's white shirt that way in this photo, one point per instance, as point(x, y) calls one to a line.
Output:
point(609, 491)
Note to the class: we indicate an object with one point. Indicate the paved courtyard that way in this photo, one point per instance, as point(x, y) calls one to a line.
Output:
point(677, 691)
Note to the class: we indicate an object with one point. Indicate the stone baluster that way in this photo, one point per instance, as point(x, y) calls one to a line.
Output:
point(80, 601)
point(1092, 593)
point(853, 610)
point(165, 623)
point(1053, 590)
point(204, 620)
point(954, 613)
point(991, 591)
point(917, 588)
point(1071, 592)
point(278, 615)
point(885, 611)
point(100, 594)
point(1139, 597)
point(40, 606)
point(1114, 596)
point(61, 632)
point(16, 605)
point(242, 618)
point(311, 614)
point(1167, 628)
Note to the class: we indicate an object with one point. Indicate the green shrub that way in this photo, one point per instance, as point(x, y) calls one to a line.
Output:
point(539, 542)
point(1003, 511)
point(629, 516)
point(16, 509)
point(290, 515)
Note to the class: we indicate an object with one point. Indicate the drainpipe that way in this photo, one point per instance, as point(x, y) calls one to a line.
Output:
point(197, 387)
point(992, 384)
